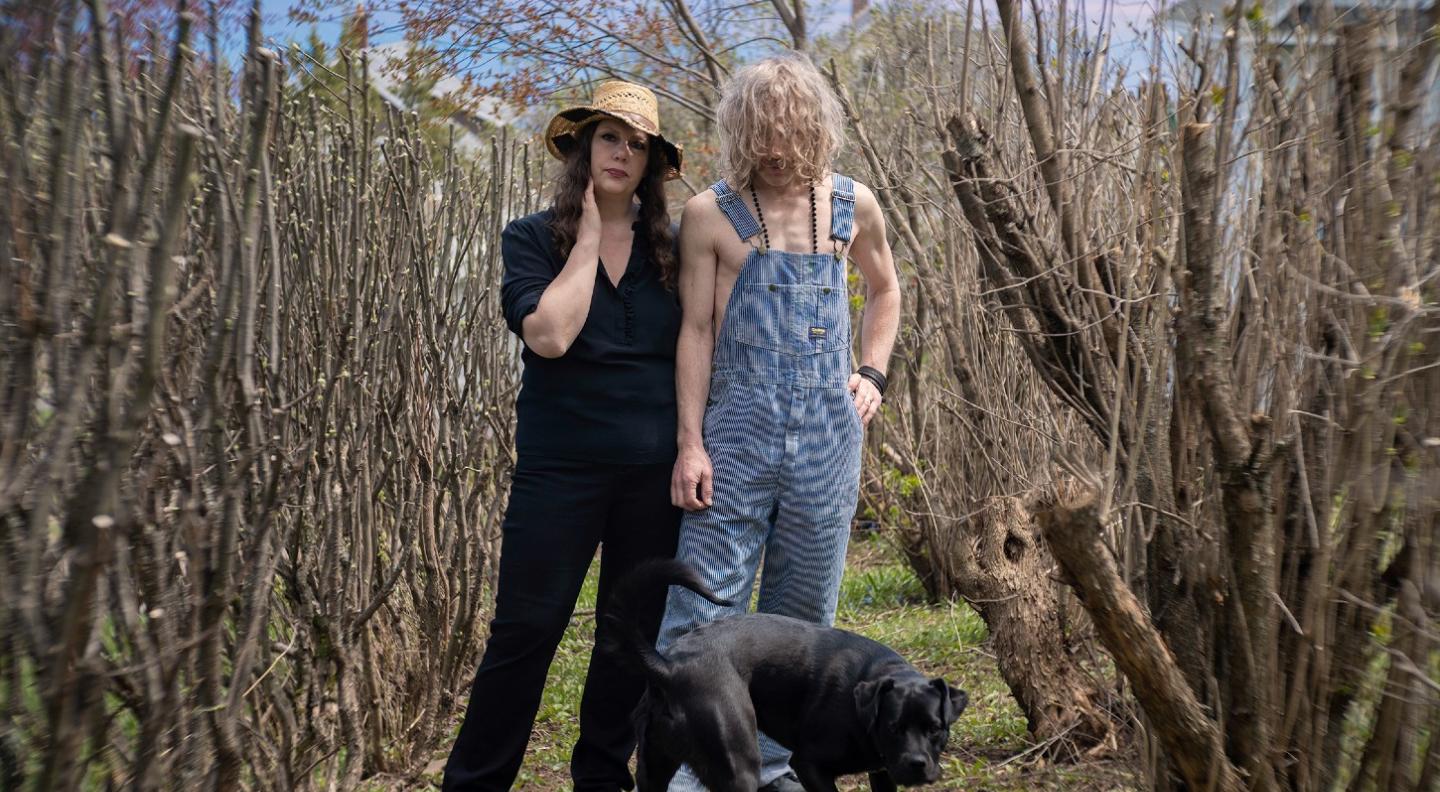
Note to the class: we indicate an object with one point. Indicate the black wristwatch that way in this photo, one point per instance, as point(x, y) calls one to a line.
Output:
point(874, 375)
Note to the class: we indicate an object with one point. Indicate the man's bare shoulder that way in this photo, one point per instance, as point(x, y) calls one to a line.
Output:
point(702, 213)
point(865, 197)
point(868, 216)
point(702, 205)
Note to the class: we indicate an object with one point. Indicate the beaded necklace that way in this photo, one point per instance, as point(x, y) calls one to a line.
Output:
point(765, 232)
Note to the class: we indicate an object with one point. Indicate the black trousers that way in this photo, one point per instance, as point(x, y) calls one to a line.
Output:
point(559, 511)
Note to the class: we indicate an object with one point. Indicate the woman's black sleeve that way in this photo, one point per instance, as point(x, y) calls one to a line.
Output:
point(527, 250)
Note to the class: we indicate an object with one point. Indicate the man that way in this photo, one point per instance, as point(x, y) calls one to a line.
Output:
point(771, 404)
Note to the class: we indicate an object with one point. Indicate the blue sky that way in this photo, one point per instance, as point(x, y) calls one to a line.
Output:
point(279, 28)
point(825, 15)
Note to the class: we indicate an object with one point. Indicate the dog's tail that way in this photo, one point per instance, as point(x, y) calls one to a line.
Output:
point(627, 640)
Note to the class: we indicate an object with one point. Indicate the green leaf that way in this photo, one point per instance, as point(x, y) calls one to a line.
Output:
point(1379, 321)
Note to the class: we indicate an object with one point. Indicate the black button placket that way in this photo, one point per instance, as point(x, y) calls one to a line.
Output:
point(626, 287)
point(627, 293)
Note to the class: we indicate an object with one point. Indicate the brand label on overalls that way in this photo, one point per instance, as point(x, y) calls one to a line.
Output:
point(817, 332)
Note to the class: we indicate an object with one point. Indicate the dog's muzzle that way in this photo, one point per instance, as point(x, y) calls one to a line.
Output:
point(915, 769)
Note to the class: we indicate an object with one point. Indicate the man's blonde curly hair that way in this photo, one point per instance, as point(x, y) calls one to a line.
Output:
point(785, 101)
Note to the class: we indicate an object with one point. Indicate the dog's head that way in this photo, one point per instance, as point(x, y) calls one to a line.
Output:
point(909, 721)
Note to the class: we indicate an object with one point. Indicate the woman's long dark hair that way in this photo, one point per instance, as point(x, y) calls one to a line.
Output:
point(654, 215)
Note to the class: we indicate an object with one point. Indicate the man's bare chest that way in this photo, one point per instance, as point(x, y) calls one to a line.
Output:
point(794, 226)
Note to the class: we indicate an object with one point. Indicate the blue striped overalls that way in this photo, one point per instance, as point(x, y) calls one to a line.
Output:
point(784, 439)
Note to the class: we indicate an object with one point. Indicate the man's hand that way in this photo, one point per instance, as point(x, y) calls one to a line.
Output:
point(692, 485)
point(867, 397)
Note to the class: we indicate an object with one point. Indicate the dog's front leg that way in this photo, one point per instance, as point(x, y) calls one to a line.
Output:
point(812, 778)
point(881, 781)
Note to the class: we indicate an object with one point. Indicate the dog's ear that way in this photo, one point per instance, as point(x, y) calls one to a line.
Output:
point(867, 698)
point(952, 700)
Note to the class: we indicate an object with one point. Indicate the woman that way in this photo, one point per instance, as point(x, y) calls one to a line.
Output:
point(588, 286)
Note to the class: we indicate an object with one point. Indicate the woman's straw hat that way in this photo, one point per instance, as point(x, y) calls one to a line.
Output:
point(622, 101)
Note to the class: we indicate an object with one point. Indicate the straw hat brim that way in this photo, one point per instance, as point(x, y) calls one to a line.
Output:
point(561, 132)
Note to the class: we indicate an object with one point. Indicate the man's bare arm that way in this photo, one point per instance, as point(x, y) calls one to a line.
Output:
point(691, 484)
point(881, 321)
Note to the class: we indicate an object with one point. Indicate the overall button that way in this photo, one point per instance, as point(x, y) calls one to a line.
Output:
point(772, 287)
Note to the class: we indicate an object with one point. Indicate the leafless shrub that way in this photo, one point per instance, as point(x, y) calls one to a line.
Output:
point(257, 405)
point(1251, 348)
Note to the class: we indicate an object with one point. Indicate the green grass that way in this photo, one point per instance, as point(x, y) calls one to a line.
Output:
point(881, 599)
point(31, 709)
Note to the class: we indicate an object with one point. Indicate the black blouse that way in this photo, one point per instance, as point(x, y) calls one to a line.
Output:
point(611, 397)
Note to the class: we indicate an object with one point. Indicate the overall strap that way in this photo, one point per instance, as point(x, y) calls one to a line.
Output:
point(734, 208)
point(842, 209)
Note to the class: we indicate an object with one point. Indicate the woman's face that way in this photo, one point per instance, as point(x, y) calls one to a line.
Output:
point(618, 156)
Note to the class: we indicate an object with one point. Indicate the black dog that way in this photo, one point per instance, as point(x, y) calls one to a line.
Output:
point(840, 702)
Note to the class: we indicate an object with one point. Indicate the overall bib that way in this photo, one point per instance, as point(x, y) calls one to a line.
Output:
point(784, 439)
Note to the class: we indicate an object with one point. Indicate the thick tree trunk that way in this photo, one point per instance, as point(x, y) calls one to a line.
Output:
point(1006, 578)
point(1191, 740)
point(1203, 351)
point(995, 563)
point(1174, 574)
